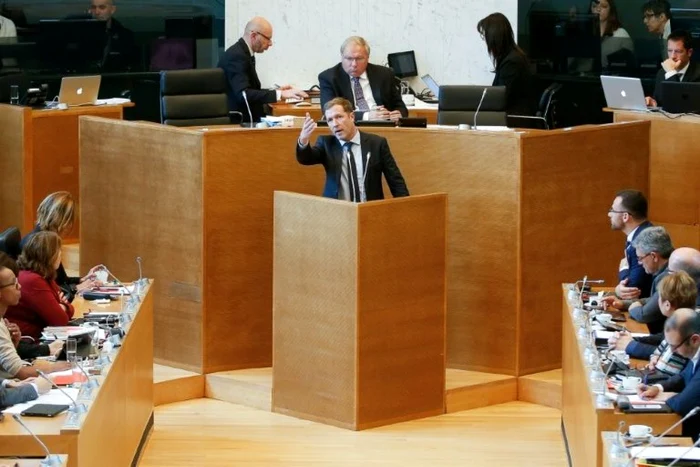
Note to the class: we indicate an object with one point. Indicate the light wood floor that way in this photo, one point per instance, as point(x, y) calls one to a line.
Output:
point(206, 432)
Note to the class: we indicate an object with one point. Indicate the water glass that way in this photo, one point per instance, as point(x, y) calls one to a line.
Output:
point(14, 94)
point(71, 349)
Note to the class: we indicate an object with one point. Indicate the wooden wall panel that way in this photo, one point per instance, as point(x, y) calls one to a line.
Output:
point(242, 171)
point(401, 304)
point(569, 179)
point(154, 210)
point(683, 235)
point(316, 309)
point(479, 173)
point(14, 121)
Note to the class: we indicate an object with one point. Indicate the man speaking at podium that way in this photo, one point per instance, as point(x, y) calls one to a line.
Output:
point(354, 161)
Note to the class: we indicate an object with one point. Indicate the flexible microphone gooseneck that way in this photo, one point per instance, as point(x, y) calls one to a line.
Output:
point(483, 94)
point(656, 440)
point(49, 460)
point(351, 179)
point(78, 408)
point(250, 114)
point(675, 461)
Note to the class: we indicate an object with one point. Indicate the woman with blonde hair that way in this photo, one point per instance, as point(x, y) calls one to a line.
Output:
point(42, 303)
point(56, 213)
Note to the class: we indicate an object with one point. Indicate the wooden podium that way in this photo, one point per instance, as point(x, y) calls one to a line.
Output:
point(359, 309)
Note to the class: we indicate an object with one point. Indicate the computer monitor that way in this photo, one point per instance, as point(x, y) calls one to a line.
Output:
point(72, 45)
point(403, 64)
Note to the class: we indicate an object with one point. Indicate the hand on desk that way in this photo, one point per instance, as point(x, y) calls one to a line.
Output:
point(652, 363)
point(307, 130)
point(612, 301)
point(50, 367)
point(42, 385)
point(379, 113)
point(650, 102)
point(620, 340)
point(55, 347)
point(627, 293)
point(289, 92)
point(647, 392)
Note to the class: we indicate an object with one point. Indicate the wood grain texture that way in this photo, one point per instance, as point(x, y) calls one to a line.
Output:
point(466, 390)
point(541, 388)
point(251, 387)
point(155, 211)
point(583, 420)
point(14, 166)
point(371, 279)
point(564, 228)
point(673, 194)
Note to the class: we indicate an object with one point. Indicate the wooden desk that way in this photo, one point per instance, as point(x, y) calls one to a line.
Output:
point(582, 418)
point(315, 111)
point(39, 155)
point(197, 206)
point(610, 437)
point(120, 413)
point(674, 165)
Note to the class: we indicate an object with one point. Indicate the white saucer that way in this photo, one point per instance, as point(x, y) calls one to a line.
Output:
point(646, 438)
point(623, 391)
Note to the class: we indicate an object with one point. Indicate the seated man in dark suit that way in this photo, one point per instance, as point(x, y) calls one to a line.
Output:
point(677, 67)
point(682, 331)
point(374, 89)
point(354, 161)
point(238, 63)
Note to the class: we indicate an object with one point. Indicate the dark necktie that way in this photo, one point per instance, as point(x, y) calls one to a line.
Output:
point(677, 77)
point(252, 60)
point(359, 95)
point(352, 173)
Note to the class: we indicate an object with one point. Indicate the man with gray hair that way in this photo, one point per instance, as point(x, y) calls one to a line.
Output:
point(373, 89)
point(653, 248)
point(238, 63)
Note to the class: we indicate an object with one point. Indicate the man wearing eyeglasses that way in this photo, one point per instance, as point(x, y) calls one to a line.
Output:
point(657, 17)
point(677, 67)
point(682, 332)
point(238, 63)
point(373, 89)
point(629, 214)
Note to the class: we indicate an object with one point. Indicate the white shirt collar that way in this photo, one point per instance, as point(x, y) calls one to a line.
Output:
point(362, 77)
point(695, 358)
point(355, 139)
point(667, 29)
point(685, 68)
point(630, 235)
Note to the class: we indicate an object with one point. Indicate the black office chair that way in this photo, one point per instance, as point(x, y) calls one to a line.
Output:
point(9, 242)
point(545, 118)
point(193, 97)
point(459, 104)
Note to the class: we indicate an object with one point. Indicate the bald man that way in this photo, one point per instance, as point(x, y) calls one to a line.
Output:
point(238, 63)
point(120, 49)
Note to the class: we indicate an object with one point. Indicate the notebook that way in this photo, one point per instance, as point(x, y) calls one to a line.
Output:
point(434, 88)
point(79, 90)
point(623, 93)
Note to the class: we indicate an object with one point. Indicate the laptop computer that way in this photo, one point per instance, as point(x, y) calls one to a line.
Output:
point(79, 90)
point(623, 93)
point(680, 97)
point(434, 88)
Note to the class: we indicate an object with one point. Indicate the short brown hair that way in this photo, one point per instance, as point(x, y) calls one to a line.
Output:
point(56, 212)
point(679, 289)
point(39, 253)
point(341, 101)
point(7, 262)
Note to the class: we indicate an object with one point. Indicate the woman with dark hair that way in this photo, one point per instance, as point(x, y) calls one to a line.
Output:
point(511, 65)
point(614, 37)
point(42, 303)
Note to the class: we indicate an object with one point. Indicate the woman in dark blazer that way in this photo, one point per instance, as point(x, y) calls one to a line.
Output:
point(511, 65)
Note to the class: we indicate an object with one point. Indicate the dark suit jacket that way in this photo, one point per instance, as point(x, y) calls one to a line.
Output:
point(514, 73)
point(329, 152)
point(335, 82)
point(237, 64)
point(635, 274)
point(687, 385)
point(692, 75)
point(12, 396)
point(650, 313)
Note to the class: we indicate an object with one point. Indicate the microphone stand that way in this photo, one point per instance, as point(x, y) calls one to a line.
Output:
point(478, 107)
point(49, 460)
point(656, 440)
point(675, 461)
point(250, 114)
point(77, 408)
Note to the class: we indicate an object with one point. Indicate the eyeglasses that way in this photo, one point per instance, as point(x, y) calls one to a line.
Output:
point(261, 34)
point(676, 347)
point(355, 59)
point(616, 212)
point(15, 283)
point(641, 258)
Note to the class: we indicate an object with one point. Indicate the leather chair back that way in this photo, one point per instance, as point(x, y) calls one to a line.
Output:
point(458, 104)
point(9, 242)
point(193, 97)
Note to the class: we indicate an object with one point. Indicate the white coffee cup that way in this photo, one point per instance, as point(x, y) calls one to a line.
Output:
point(463, 126)
point(639, 431)
point(604, 318)
point(408, 99)
point(631, 382)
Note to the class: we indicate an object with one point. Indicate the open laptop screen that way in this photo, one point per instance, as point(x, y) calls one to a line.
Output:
point(432, 85)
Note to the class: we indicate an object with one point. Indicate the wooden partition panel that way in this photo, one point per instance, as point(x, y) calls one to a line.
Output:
point(479, 171)
point(241, 172)
point(15, 169)
point(142, 186)
point(569, 179)
point(359, 309)
point(674, 198)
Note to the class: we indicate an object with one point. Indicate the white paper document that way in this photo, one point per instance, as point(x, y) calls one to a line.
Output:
point(54, 396)
point(668, 452)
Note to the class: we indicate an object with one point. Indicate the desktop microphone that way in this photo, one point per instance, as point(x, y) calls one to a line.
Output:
point(656, 440)
point(675, 461)
point(91, 383)
point(138, 261)
point(78, 408)
point(250, 114)
point(479, 106)
point(49, 460)
point(116, 279)
point(348, 154)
